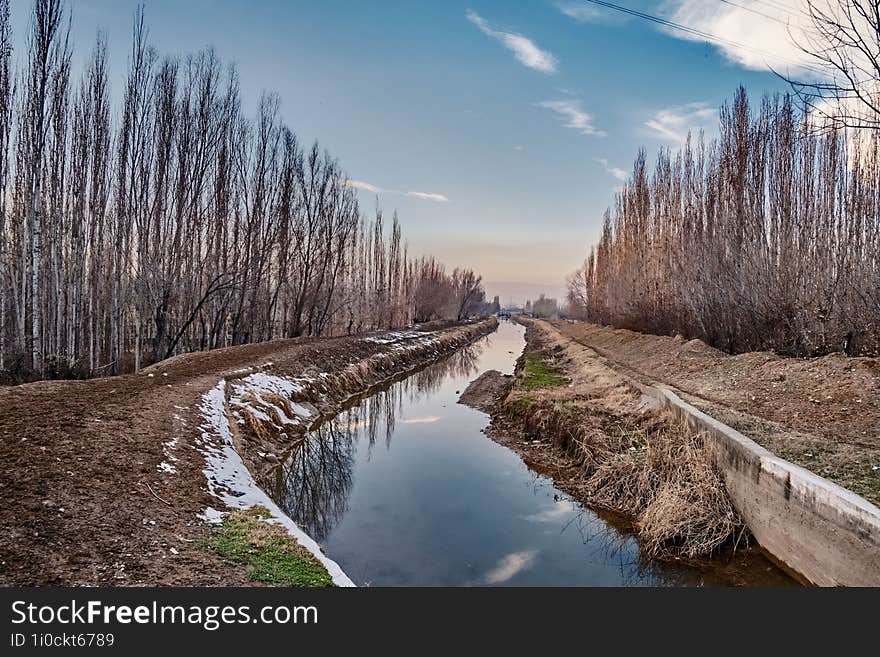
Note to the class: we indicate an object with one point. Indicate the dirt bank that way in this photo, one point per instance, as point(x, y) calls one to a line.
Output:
point(104, 481)
point(820, 413)
point(486, 391)
point(580, 422)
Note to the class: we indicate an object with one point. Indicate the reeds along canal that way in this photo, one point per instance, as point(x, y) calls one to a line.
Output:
point(404, 488)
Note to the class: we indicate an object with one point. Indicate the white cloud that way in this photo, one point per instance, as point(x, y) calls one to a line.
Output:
point(509, 566)
point(575, 117)
point(374, 189)
point(428, 196)
point(757, 34)
point(618, 173)
point(367, 187)
point(673, 123)
point(764, 34)
point(524, 49)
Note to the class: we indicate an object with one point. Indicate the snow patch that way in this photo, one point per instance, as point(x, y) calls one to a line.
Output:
point(390, 337)
point(250, 394)
point(168, 447)
point(211, 516)
point(270, 383)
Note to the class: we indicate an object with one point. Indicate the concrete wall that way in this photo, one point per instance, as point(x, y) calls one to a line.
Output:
point(825, 533)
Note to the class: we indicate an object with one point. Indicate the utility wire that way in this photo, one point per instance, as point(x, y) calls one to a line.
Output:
point(755, 11)
point(705, 36)
point(787, 11)
point(779, 6)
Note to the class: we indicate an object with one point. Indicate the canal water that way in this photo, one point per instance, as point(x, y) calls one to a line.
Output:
point(404, 489)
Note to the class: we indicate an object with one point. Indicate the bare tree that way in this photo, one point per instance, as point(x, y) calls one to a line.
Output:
point(7, 93)
point(468, 291)
point(843, 44)
point(47, 48)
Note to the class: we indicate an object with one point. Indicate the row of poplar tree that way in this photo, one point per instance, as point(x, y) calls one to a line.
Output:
point(174, 222)
point(767, 237)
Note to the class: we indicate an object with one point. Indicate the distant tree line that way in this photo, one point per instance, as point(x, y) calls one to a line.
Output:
point(438, 295)
point(766, 238)
point(174, 222)
point(543, 307)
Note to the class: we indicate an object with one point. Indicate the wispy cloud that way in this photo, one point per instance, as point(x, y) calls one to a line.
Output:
point(509, 566)
point(618, 173)
point(585, 13)
point(673, 123)
point(365, 186)
point(523, 48)
point(574, 116)
point(374, 189)
point(428, 196)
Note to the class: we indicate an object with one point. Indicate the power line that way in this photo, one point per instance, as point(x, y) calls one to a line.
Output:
point(755, 11)
point(779, 6)
point(705, 36)
point(786, 11)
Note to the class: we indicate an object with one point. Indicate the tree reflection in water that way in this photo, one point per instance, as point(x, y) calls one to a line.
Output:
point(313, 485)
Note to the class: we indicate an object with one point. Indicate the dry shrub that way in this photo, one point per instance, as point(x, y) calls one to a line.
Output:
point(672, 490)
point(623, 483)
point(573, 430)
point(274, 403)
point(263, 429)
point(588, 444)
point(689, 512)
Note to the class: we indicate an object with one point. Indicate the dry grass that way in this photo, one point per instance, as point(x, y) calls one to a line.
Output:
point(648, 468)
point(669, 486)
point(260, 427)
point(820, 413)
point(255, 412)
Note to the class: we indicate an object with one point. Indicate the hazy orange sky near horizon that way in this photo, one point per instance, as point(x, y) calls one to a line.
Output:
point(502, 265)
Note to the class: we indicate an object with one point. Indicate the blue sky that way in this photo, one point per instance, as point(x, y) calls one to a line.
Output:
point(511, 121)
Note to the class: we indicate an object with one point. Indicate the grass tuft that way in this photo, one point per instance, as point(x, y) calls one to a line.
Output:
point(519, 406)
point(271, 554)
point(538, 374)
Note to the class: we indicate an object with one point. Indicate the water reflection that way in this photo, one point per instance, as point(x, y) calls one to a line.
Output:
point(313, 485)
